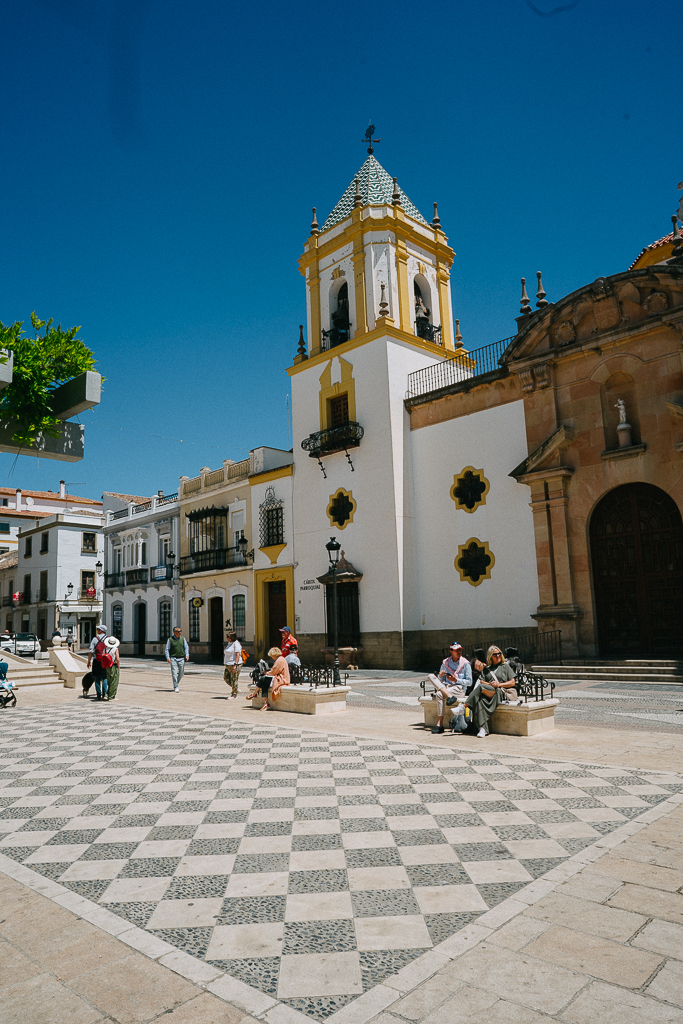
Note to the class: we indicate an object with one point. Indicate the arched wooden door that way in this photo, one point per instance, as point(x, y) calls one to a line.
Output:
point(636, 539)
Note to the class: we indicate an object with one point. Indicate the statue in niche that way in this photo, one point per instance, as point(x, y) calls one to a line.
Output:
point(621, 406)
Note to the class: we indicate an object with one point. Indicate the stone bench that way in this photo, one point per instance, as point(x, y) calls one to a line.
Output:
point(301, 700)
point(510, 720)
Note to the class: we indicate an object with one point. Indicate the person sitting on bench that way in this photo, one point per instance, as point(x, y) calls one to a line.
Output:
point(455, 675)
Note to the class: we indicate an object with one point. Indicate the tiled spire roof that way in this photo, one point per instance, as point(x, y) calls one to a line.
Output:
point(376, 189)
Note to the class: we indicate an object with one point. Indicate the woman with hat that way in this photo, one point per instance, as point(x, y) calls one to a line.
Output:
point(455, 675)
point(111, 655)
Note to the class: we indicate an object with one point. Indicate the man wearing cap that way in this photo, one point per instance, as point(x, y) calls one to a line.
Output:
point(455, 675)
point(98, 670)
point(289, 645)
point(177, 653)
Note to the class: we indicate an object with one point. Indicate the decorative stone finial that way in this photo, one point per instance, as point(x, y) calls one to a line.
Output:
point(677, 240)
point(524, 301)
point(396, 197)
point(458, 335)
point(301, 350)
point(315, 230)
point(540, 294)
point(384, 305)
point(357, 199)
point(436, 221)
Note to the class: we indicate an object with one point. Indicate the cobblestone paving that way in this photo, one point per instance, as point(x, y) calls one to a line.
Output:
point(311, 866)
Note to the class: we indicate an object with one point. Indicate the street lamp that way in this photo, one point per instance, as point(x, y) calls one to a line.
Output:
point(170, 561)
point(98, 568)
point(69, 590)
point(243, 544)
point(333, 549)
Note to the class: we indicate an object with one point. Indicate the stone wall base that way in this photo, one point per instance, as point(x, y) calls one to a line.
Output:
point(421, 650)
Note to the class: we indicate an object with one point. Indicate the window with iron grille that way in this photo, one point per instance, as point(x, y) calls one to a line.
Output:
point(194, 624)
point(339, 411)
point(271, 519)
point(164, 620)
point(239, 615)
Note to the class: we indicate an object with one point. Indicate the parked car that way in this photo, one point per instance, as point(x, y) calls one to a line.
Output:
point(20, 643)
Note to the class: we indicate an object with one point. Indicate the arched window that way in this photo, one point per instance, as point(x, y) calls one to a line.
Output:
point(194, 623)
point(424, 326)
point(164, 620)
point(239, 615)
point(117, 621)
point(340, 325)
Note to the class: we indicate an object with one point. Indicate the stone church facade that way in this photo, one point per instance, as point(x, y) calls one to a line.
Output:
point(531, 486)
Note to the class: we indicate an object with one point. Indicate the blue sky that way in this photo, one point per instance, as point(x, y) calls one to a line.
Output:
point(161, 158)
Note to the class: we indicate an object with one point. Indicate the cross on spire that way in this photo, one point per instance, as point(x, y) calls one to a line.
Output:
point(369, 139)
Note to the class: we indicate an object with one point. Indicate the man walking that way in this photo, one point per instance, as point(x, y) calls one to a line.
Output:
point(95, 653)
point(232, 660)
point(177, 653)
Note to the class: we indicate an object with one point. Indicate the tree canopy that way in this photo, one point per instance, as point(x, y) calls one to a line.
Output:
point(42, 362)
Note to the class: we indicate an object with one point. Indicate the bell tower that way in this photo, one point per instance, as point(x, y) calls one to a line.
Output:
point(377, 264)
point(378, 307)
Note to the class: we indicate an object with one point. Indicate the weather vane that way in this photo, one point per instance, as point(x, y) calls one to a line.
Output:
point(369, 139)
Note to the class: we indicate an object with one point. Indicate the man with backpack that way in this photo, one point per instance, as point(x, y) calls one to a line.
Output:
point(97, 649)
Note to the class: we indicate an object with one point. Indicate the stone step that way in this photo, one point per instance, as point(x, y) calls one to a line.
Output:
point(35, 677)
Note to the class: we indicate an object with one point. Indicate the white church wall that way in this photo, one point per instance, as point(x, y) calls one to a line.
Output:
point(493, 440)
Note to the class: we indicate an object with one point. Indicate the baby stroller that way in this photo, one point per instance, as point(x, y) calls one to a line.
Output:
point(8, 697)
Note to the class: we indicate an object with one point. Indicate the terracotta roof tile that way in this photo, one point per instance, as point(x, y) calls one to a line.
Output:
point(665, 240)
point(8, 560)
point(51, 495)
point(137, 499)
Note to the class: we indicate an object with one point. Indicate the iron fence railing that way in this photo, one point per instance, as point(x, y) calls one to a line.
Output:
point(334, 439)
point(136, 576)
point(218, 558)
point(144, 506)
point(87, 594)
point(539, 648)
point(121, 514)
point(310, 675)
point(114, 579)
point(461, 366)
point(166, 499)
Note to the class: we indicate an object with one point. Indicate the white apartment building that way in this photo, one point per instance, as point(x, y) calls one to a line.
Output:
point(141, 545)
point(54, 577)
point(17, 507)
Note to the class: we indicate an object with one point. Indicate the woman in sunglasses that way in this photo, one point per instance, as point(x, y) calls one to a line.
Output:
point(496, 681)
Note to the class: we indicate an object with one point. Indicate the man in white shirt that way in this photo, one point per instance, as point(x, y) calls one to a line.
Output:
point(232, 660)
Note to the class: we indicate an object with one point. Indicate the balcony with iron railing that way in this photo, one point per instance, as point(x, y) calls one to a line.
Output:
point(217, 558)
point(135, 576)
point(427, 331)
point(88, 594)
point(144, 507)
point(114, 580)
point(467, 368)
point(7, 601)
point(334, 439)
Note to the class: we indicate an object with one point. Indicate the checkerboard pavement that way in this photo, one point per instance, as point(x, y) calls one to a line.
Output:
point(310, 866)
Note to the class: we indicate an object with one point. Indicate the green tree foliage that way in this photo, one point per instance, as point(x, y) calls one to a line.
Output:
point(41, 363)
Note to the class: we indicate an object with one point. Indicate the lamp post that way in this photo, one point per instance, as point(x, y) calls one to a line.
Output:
point(333, 549)
point(170, 561)
point(69, 590)
point(99, 568)
point(242, 545)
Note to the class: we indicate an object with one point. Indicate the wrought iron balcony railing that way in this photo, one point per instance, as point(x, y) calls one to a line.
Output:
point(114, 579)
point(217, 558)
point(461, 366)
point(87, 594)
point(7, 601)
point(427, 331)
point(134, 576)
point(335, 439)
point(335, 336)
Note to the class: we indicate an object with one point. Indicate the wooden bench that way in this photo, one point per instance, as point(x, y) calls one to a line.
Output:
point(510, 720)
point(301, 700)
